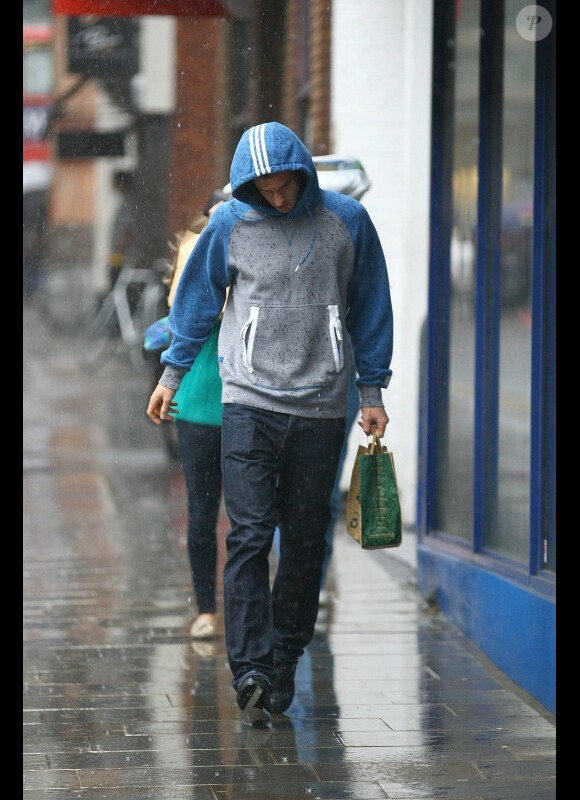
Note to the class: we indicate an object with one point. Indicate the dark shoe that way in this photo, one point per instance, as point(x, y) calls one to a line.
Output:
point(253, 699)
point(283, 687)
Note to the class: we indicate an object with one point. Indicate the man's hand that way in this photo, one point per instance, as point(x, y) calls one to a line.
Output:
point(374, 420)
point(161, 406)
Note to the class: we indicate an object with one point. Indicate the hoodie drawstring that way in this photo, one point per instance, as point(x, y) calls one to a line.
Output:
point(312, 242)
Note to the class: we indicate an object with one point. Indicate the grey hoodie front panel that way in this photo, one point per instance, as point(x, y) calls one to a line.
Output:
point(282, 340)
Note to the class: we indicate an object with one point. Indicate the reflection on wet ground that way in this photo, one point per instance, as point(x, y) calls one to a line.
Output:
point(391, 702)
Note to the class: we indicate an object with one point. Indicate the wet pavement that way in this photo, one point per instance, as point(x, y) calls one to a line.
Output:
point(392, 700)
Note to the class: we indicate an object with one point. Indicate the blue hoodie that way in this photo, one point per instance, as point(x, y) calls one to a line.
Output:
point(299, 282)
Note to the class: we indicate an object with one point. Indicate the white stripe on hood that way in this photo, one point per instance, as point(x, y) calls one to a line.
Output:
point(258, 150)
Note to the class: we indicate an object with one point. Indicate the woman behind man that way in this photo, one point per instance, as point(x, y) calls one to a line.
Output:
point(198, 424)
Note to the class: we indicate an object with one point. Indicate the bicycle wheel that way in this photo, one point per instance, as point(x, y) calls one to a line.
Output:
point(97, 338)
point(64, 297)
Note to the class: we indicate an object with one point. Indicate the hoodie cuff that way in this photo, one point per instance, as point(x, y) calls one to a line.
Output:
point(172, 377)
point(370, 396)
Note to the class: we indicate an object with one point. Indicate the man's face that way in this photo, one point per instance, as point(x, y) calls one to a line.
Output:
point(281, 190)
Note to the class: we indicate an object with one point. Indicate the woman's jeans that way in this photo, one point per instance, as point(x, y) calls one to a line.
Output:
point(277, 469)
point(200, 452)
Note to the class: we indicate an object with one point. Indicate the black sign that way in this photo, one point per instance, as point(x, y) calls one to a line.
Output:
point(90, 144)
point(103, 47)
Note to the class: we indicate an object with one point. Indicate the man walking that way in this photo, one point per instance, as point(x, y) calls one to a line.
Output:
point(305, 270)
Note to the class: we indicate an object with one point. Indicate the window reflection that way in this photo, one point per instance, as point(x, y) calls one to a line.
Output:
point(507, 518)
point(455, 446)
point(509, 536)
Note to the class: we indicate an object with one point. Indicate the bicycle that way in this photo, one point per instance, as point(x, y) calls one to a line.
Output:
point(114, 326)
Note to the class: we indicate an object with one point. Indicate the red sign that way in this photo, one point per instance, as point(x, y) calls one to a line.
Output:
point(135, 8)
point(35, 151)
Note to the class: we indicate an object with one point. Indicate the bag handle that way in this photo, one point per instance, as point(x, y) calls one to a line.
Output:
point(375, 446)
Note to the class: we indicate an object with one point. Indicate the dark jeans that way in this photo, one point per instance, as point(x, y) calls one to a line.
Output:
point(337, 509)
point(336, 498)
point(200, 451)
point(278, 469)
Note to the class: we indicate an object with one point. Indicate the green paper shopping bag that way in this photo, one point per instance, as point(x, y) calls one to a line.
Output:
point(373, 510)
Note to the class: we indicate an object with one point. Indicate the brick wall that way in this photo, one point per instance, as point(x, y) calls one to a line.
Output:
point(306, 83)
point(319, 66)
point(199, 163)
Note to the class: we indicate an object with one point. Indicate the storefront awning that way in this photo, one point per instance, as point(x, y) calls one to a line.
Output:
point(134, 8)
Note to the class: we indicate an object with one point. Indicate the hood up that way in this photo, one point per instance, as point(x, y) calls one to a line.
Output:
point(266, 149)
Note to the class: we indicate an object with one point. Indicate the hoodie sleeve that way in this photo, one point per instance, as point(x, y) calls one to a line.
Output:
point(370, 314)
point(200, 295)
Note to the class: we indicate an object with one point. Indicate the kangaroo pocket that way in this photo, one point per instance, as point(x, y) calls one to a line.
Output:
point(292, 347)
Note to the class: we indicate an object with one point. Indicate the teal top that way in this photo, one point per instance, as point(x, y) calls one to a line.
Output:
point(199, 397)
